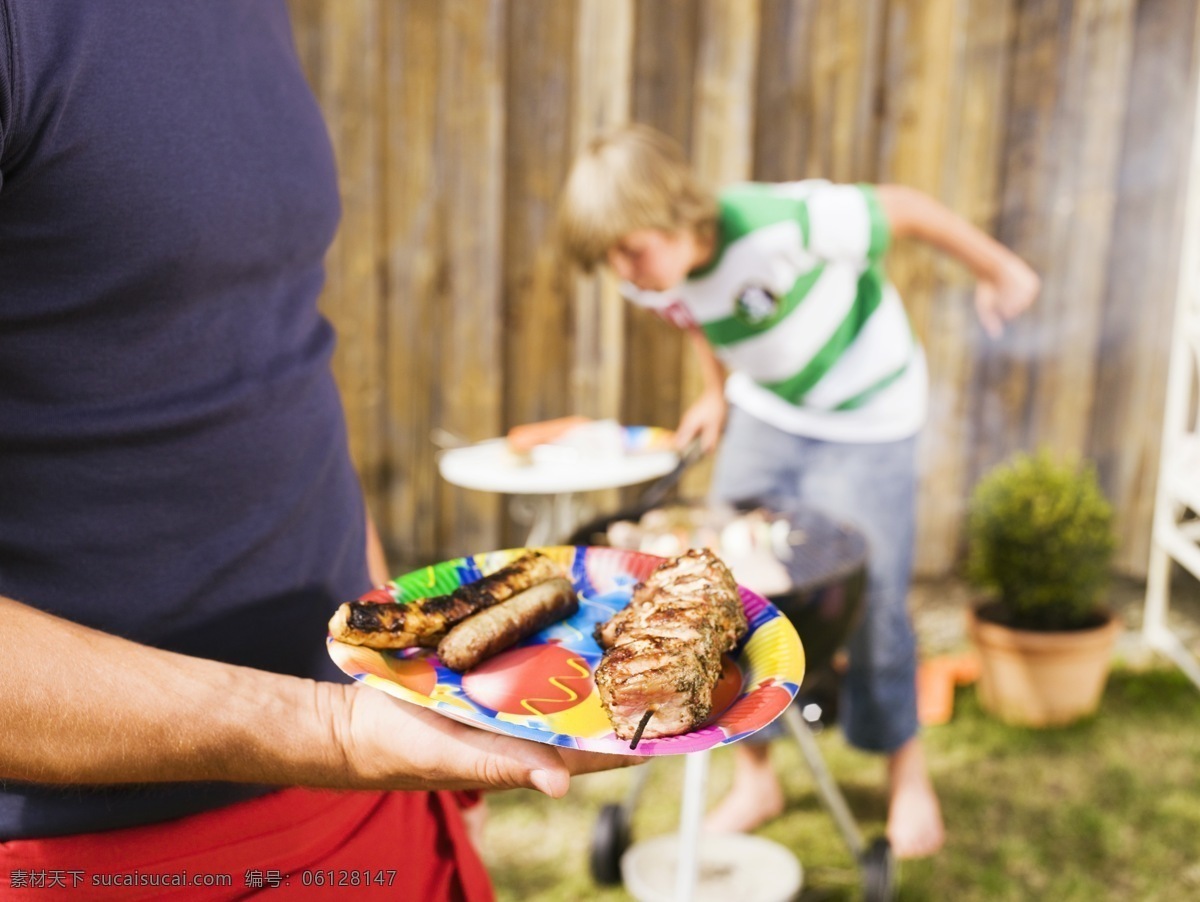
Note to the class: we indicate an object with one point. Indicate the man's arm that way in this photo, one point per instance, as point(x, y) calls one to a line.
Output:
point(120, 712)
point(1007, 285)
point(377, 565)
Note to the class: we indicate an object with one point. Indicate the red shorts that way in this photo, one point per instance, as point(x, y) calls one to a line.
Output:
point(295, 843)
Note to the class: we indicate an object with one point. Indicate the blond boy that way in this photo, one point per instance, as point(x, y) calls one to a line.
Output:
point(814, 379)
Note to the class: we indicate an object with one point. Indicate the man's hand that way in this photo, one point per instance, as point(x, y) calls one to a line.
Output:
point(391, 744)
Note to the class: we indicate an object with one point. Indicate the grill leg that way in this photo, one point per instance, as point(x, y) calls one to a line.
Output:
point(831, 796)
point(695, 777)
point(640, 774)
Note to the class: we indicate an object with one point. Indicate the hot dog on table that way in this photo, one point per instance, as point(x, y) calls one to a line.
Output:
point(662, 653)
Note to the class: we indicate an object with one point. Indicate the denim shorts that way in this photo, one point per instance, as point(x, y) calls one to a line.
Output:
point(872, 488)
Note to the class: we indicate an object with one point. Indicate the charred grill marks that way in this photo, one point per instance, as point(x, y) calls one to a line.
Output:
point(663, 652)
point(426, 622)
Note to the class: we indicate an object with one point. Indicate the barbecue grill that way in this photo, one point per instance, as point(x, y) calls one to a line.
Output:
point(827, 570)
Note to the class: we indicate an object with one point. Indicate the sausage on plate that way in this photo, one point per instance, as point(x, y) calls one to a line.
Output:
point(503, 625)
point(424, 623)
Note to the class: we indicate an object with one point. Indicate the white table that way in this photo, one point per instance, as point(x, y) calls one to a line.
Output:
point(549, 479)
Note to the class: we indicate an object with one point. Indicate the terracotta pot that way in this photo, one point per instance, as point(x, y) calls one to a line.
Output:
point(1041, 679)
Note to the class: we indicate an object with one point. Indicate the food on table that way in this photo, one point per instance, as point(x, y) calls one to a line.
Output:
point(503, 625)
point(424, 623)
point(524, 438)
point(663, 652)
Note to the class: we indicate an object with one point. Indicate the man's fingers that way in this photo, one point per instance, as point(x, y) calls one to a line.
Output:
point(532, 765)
point(409, 747)
point(578, 762)
point(392, 744)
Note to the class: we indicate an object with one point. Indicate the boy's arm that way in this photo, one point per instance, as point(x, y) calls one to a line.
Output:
point(1007, 285)
point(705, 418)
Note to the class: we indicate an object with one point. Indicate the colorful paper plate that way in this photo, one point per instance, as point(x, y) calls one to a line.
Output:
point(543, 689)
point(647, 439)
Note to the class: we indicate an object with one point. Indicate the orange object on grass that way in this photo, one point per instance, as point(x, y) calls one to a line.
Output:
point(935, 692)
point(965, 667)
point(936, 679)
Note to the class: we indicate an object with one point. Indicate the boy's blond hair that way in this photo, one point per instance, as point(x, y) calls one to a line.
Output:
point(632, 177)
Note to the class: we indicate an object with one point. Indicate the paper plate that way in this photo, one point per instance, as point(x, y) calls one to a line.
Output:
point(543, 689)
point(647, 439)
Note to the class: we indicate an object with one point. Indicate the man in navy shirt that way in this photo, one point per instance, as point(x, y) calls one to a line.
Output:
point(178, 511)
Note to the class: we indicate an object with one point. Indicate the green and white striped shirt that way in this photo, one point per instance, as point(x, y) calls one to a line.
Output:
point(795, 302)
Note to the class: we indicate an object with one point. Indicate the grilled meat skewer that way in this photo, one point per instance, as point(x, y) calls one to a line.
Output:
point(663, 652)
point(426, 622)
point(697, 577)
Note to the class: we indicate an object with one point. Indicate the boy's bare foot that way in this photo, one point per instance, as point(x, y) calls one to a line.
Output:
point(755, 797)
point(914, 825)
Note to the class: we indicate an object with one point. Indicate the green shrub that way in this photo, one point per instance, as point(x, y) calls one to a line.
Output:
point(1040, 535)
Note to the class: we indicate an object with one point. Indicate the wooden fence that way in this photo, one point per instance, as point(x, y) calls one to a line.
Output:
point(1060, 126)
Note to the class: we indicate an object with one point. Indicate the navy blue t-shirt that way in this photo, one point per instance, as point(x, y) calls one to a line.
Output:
point(173, 457)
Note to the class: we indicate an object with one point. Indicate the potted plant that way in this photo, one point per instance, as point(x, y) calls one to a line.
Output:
point(1041, 542)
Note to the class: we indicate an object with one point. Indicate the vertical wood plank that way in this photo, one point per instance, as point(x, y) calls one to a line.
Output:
point(603, 57)
point(1005, 370)
point(470, 162)
point(1080, 218)
point(306, 16)
point(785, 93)
point(945, 127)
point(971, 186)
point(1070, 78)
point(922, 104)
point(341, 48)
point(1140, 274)
point(846, 61)
point(415, 267)
point(722, 133)
point(725, 69)
point(663, 85)
point(538, 132)
point(819, 70)
point(921, 70)
point(537, 316)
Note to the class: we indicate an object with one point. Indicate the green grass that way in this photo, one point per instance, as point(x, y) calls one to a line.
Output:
point(1108, 808)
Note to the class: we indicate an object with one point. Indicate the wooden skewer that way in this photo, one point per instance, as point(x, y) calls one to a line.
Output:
point(637, 736)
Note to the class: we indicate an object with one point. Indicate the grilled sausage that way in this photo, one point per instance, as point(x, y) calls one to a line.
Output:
point(388, 624)
point(503, 625)
point(380, 624)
